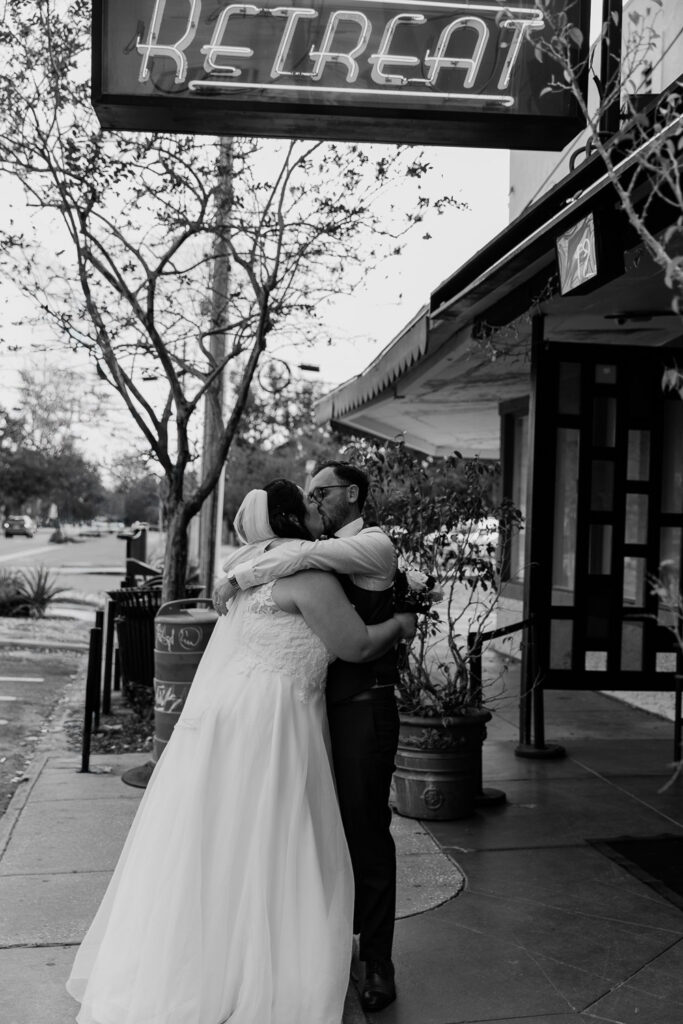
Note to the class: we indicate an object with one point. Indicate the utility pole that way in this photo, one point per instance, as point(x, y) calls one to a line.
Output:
point(610, 65)
point(211, 514)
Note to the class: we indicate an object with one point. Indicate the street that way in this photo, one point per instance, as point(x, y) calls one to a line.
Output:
point(74, 564)
point(33, 683)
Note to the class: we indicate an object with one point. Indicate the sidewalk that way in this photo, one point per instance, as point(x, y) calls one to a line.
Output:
point(510, 916)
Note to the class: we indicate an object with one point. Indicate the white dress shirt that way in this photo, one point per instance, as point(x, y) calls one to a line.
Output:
point(366, 554)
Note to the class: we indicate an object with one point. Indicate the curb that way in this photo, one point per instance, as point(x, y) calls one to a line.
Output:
point(19, 800)
point(45, 645)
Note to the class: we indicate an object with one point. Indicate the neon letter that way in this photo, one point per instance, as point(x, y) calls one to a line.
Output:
point(520, 26)
point(382, 57)
point(439, 60)
point(175, 51)
point(293, 15)
point(325, 54)
point(216, 49)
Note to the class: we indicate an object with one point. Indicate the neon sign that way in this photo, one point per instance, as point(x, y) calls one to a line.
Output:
point(458, 73)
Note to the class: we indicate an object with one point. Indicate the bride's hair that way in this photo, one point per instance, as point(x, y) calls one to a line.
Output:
point(286, 509)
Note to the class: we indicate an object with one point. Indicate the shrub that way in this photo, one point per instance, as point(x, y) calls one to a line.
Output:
point(27, 592)
point(447, 519)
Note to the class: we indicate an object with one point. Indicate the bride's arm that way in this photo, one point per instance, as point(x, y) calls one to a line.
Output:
point(370, 553)
point(320, 599)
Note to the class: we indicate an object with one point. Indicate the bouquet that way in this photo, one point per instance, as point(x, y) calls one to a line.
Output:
point(415, 591)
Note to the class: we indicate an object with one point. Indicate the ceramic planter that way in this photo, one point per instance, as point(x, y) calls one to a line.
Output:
point(438, 768)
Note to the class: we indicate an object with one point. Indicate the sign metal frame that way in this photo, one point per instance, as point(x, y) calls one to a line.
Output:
point(323, 70)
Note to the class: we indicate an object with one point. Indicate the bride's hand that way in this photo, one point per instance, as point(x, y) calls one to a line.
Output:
point(224, 591)
point(408, 623)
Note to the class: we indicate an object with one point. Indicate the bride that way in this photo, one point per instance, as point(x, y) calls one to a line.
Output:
point(232, 900)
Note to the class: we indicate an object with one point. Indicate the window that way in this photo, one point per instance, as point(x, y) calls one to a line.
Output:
point(516, 460)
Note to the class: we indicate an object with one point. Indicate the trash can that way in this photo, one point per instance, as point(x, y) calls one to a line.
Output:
point(182, 630)
point(134, 609)
point(136, 545)
point(166, 643)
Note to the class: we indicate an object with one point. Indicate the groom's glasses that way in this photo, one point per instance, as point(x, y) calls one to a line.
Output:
point(318, 494)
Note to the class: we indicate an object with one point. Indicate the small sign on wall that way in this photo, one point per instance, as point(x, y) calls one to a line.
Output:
point(422, 71)
point(589, 253)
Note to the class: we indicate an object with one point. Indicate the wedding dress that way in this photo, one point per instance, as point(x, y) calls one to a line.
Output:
point(232, 899)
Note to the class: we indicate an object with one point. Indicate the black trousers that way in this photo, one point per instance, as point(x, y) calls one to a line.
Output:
point(364, 738)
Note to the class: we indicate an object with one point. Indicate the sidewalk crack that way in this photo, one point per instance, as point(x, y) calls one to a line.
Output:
point(634, 974)
point(625, 792)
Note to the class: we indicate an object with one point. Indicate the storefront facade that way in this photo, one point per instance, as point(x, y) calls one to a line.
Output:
point(567, 390)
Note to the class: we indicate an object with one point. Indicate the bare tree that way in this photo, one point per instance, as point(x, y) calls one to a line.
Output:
point(641, 151)
point(56, 403)
point(120, 254)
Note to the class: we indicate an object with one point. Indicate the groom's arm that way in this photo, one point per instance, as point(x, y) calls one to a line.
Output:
point(370, 553)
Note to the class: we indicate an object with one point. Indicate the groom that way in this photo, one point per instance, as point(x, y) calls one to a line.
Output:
point(361, 706)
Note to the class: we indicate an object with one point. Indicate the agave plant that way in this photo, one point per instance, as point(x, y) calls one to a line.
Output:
point(27, 592)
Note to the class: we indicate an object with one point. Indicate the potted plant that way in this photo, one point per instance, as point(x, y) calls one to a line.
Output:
point(450, 528)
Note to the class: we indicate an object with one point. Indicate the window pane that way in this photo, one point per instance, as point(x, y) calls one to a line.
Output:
point(605, 374)
point(600, 550)
point(632, 647)
point(669, 575)
point(561, 643)
point(666, 661)
point(604, 422)
point(597, 620)
point(520, 477)
point(634, 581)
point(672, 463)
point(602, 485)
point(596, 661)
point(636, 519)
point(569, 398)
point(564, 531)
point(638, 455)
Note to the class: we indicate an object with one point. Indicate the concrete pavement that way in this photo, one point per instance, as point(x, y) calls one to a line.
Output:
point(509, 916)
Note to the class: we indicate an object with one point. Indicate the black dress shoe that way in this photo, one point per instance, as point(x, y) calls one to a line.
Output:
point(378, 988)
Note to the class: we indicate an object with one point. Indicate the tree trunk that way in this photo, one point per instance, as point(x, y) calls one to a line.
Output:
point(175, 559)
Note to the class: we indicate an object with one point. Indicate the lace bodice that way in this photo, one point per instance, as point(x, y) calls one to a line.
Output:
point(282, 642)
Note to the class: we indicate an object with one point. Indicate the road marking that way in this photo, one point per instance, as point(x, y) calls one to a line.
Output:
point(18, 555)
point(7, 698)
point(4, 721)
point(21, 679)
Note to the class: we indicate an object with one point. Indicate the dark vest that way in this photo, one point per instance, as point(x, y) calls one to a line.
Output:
point(344, 678)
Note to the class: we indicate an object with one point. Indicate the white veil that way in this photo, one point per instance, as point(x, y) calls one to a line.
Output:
point(251, 521)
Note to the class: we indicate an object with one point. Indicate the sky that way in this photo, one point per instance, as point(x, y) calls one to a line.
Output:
point(368, 321)
point(362, 324)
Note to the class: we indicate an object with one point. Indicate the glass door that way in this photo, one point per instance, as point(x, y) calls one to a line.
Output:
point(606, 512)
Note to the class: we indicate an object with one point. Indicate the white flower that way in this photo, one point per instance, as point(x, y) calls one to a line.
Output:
point(417, 580)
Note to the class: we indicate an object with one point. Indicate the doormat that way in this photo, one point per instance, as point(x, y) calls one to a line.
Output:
point(655, 860)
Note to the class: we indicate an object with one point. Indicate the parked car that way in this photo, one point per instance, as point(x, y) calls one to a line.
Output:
point(106, 525)
point(130, 531)
point(90, 530)
point(19, 526)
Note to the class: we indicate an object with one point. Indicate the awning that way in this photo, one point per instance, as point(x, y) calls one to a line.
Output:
point(437, 384)
point(400, 354)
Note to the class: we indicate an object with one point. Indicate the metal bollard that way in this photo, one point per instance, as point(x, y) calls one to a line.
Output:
point(92, 696)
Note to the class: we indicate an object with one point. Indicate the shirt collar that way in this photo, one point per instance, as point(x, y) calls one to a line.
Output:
point(351, 529)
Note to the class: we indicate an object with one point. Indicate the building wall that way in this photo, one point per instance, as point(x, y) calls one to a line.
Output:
point(533, 174)
point(647, 69)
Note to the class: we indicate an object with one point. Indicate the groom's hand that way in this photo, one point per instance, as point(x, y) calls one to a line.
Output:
point(408, 623)
point(224, 591)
